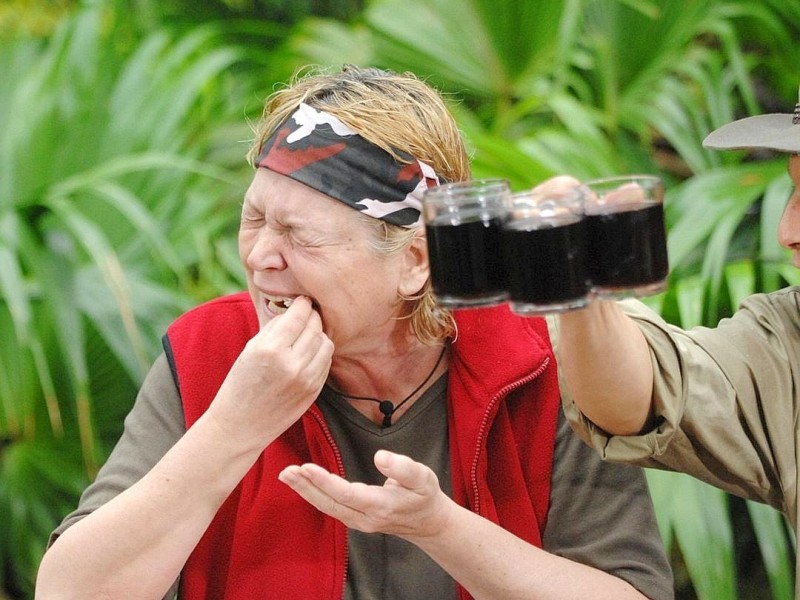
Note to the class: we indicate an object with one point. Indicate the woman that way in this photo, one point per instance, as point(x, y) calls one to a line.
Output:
point(333, 433)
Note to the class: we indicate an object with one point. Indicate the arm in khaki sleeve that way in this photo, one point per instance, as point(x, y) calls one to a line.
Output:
point(605, 363)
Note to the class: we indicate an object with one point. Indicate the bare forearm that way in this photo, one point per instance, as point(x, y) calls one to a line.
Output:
point(492, 563)
point(136, 545)
point(605, 361)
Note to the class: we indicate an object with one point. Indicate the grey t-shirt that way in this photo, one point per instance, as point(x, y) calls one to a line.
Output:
point(600, 513)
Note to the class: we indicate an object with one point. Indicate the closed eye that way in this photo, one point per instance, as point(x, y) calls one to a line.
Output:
point(251, 219)
point(250, 215)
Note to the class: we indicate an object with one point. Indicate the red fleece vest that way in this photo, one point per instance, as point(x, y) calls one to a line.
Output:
point(267, 542)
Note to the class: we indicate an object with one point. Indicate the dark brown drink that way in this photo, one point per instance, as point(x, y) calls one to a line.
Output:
point(466, 261)
point(546, 263)
point(627, 248)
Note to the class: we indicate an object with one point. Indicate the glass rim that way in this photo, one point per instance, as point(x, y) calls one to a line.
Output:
point(534, 197)
point(623, 178)
point(470, 185)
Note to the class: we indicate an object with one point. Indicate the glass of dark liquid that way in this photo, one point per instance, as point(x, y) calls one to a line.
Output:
point(626, 235)
point(544, 241)
point(462, 225)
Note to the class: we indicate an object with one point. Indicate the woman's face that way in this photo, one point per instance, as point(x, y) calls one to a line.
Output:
point(296, 241)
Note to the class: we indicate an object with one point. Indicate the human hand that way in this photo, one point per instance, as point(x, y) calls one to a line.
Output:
point(410, 503)
point(630, 193)
point(560, 185)
point(276, 377)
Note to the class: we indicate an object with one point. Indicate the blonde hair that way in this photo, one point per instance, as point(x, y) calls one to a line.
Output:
point(393, 111)
point(396, 112)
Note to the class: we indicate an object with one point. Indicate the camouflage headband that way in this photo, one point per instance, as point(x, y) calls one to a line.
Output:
point(317, 149)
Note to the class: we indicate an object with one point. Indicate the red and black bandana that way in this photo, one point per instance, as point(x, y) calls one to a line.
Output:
point(317, 149)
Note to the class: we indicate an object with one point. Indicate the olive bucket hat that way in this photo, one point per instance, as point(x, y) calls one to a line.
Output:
point(778, 131)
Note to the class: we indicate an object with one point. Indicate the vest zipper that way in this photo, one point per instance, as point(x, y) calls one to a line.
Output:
point(484, 428)
point(340, 471)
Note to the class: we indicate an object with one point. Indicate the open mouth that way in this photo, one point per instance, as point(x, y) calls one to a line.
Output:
point(278, 304)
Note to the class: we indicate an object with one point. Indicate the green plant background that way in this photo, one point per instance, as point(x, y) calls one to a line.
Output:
point(124, 127)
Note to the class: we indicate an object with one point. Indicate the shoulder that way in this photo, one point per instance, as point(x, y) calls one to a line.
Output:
point(223, 318)
point(768, 322)
point(483, 328)
point(203, 343)
point(495, 346)
point(779, 308)
point(225, 308)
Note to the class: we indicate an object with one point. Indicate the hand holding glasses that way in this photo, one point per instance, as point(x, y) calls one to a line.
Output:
point(627, 236)
point(549, 249)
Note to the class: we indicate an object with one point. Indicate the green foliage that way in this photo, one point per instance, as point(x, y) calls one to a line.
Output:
point(121, 168)
point(106, 202)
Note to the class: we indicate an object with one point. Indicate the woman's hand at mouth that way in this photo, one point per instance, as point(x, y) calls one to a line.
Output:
point(277, 376)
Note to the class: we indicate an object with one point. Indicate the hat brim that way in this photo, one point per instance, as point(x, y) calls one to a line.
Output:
point(771, 132)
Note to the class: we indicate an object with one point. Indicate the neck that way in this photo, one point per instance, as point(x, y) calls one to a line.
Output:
point(390, 378)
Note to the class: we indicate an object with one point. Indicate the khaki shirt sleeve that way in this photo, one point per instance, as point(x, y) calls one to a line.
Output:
point(724, 400)
point(154, 424)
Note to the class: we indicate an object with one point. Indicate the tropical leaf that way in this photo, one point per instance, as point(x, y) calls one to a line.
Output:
point(771, 531)
point(326, 42)
point(696, 207)
point(703, 532)
point(103, 148)
point(443, 38)
point(112, 219)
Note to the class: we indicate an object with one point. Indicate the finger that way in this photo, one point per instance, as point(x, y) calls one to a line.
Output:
point(311, 337)
point(630, 193)
point(327, 492)
point(320, 363)
point(559, 185)
point(333, 486)
point(406, 472)
point(316, 348)
point(285, 329)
